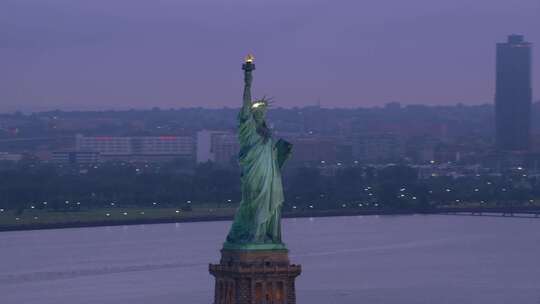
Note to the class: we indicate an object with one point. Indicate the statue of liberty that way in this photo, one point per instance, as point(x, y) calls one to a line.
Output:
point(257, 223)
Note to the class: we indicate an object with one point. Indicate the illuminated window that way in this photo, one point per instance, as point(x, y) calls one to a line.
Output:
point(279, 296)
point(258, 293)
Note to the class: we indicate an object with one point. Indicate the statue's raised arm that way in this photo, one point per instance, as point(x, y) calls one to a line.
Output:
point(248, 67)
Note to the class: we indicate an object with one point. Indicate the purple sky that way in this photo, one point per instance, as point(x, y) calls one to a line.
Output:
point(103, 54)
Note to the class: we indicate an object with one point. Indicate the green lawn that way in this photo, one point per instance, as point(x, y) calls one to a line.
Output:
point(116, 215)
point(29, 217)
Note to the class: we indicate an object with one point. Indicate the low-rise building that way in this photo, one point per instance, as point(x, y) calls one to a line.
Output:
point(14, 157)
point(75, 157)
point(217, 146)
point(138, 148)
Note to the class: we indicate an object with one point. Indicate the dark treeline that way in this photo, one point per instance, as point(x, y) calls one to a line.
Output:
point(46, 186)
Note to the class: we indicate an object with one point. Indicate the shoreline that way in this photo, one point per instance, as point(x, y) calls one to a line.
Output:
point(193, 219)
point(535, 211)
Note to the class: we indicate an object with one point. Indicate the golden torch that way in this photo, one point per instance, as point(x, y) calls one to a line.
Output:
point(248, 65)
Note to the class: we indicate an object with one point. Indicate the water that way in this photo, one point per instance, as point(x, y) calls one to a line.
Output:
point(346, 260)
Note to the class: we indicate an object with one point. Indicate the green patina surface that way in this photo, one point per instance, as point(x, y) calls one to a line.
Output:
point(257, 223)
point(253, 246)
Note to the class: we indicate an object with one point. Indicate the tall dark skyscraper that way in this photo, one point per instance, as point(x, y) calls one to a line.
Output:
point(513, 95)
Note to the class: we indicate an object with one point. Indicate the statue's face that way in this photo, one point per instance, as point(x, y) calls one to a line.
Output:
point(259, 114)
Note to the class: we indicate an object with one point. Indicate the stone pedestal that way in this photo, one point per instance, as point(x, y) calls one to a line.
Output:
point(254, 277)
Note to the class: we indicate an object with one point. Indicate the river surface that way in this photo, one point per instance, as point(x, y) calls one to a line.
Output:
point(346, 260)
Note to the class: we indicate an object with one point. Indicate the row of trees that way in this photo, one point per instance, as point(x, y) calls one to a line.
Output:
point(35, 185)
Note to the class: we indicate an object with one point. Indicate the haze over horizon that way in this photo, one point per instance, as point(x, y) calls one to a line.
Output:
point(121, 54)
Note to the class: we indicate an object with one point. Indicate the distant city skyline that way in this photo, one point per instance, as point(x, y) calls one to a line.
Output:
point(120, 54)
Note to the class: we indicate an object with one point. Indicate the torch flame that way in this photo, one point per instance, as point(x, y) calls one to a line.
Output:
point(249, 58)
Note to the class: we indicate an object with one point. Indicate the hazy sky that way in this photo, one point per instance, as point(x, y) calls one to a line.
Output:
point(101, 54)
